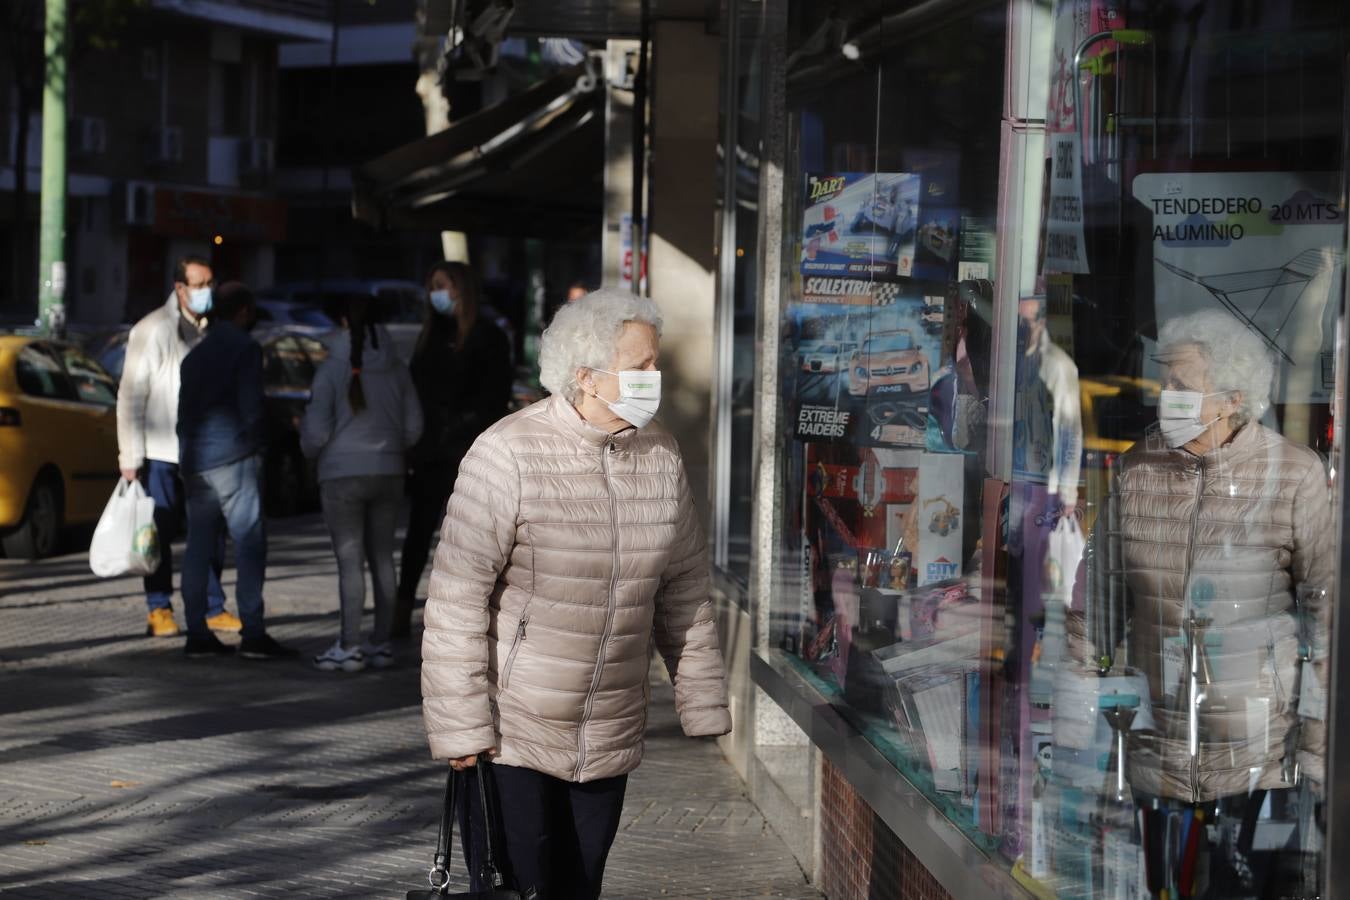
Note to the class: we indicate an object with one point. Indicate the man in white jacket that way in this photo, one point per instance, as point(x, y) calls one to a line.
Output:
point(147, 438)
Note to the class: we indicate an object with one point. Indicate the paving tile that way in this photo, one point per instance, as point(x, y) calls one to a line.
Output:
point(129, 771)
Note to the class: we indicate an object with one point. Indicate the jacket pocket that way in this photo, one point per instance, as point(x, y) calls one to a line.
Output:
point(516, 642)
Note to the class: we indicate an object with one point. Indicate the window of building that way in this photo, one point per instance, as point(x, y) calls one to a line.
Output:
point(739, 156)
point(1058, 371)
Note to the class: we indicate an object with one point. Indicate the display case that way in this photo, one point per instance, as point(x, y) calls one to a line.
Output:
point(1062, 289)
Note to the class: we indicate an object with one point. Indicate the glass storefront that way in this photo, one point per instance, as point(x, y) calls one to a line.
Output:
point(1058, 352)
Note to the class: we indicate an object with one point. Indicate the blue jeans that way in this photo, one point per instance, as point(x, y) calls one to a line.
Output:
point(228, 494)
point(161, 482)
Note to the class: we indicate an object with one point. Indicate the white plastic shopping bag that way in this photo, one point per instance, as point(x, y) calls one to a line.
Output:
point(1064, 551)
point(125, 541)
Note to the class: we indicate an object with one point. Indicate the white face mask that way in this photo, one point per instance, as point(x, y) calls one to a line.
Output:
point(199, 300)
point(442, 302)
point(1179, 416)
point(639, 396)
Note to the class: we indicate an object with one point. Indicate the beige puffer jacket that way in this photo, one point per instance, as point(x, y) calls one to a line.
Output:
point(566, 553)
point(1238, 531)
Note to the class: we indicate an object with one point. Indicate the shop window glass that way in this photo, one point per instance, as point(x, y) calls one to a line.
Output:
point(745, 131)
point(1055, 531)
point(891, 195)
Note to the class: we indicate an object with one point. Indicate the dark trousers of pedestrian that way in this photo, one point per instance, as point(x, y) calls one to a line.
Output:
point(165, 487)
point(429, 488)
point(362, 516)
point(226, 499)
point(554, 835)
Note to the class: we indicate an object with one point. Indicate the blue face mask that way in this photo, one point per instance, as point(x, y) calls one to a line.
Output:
point(442, 302)
point(199, 300)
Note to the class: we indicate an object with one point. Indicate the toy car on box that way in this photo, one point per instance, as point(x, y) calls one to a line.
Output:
point(825, 357)
point(888, 360)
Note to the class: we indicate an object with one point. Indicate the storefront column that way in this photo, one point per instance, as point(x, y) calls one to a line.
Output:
point(683, 186)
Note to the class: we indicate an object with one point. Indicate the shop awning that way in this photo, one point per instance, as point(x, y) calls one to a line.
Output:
point(531, 165)
point(592, 20)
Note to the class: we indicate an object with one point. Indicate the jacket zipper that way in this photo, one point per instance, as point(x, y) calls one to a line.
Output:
point(1192, 694)
point(515, 648)
point(609, 615)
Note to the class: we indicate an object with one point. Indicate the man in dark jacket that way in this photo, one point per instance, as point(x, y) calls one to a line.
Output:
point(220, 438)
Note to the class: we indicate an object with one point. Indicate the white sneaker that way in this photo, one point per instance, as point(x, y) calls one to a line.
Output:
point(378, 656)
point(335, 658)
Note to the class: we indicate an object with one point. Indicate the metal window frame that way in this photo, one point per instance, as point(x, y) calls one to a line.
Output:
point(1336, 847)
point(724, 313)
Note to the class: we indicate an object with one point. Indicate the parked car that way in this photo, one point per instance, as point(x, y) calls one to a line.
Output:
point(58, 442)
point(889, 361)
point(109, 349)
point(290, 358)
point(277, 311)
point(402, 303)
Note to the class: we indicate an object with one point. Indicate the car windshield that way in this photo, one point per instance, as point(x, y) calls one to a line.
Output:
point(900, 340)
point(311, 315)
point(828, 348)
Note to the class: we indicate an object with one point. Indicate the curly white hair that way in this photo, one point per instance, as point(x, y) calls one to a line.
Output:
point(583, 335)
point(1238, 358)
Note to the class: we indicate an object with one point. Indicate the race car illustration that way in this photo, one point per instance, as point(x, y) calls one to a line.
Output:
point(938, 240)
point(824, 357)
point(885, 212)
point(889, 361)
point(931, 317)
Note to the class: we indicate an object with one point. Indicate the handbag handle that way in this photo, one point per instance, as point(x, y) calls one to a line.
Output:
point(439, 875)
point(491, 874)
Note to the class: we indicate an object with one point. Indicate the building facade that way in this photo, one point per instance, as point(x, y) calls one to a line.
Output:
point(1027, 332)
point(171, 150)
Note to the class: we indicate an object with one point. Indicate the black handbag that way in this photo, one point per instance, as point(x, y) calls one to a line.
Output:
point(439, 876)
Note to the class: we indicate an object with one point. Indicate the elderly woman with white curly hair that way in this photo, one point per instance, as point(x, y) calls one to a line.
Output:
point(570, 547)
point(1216, 529)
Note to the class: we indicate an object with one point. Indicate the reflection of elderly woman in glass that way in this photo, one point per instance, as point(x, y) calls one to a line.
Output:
point(570, 547)
point(1214, 528)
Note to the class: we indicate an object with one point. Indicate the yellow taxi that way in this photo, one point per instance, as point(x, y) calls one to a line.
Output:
point(1116, 411)
point(58, 442)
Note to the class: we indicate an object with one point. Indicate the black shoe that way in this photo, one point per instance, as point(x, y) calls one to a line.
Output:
point(266, 648)
point(204, 647)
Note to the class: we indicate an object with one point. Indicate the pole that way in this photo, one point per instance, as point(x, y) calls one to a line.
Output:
point(52, 231)
point(640, 149)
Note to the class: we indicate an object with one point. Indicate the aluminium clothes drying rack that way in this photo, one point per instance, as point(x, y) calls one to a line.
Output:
point(1277, 291)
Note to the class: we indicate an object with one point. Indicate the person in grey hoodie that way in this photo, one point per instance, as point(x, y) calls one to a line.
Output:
point(361, 418)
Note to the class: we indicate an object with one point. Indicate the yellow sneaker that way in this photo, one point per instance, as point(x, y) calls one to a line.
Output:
point(225, 621)
point(160, 623)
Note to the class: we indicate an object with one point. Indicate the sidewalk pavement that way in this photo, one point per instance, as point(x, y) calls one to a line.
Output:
point(127, 770)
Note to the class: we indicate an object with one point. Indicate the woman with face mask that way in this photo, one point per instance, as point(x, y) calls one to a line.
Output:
point(1205, 574)
point(462, 370)
point(571, 547)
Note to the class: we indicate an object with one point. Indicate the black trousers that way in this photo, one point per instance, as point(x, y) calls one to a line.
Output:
point(553, 835)
point(429, 488)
